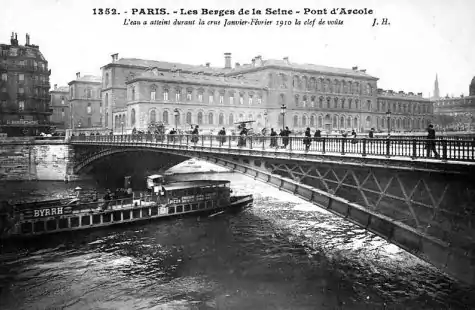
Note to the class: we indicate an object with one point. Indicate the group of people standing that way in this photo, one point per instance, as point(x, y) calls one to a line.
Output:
point(284, 135)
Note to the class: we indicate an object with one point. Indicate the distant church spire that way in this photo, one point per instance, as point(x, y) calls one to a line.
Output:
point(436, 88)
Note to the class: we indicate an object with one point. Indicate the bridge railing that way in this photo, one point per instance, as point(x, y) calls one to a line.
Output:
point(458, 150)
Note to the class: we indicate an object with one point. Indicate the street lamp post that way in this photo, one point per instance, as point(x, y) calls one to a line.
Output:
point(283, 108)
point(265, 120)
point(175, 113)
point(388, 114)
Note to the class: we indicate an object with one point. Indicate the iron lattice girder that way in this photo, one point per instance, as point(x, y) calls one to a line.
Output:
point(436, 204)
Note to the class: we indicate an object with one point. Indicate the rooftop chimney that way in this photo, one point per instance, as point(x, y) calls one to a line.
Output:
point(237, 65)
point(401, 92)
point(419, 94)
point(115, 57)
point(13, 39)
point(207, 64)
point(354, 68)
point(253, 62)
point(27, 39)
point(363, 70)
point(55, 86)
point(227, 60)
point(78, 75)
point(286, 59)
point(258, 60)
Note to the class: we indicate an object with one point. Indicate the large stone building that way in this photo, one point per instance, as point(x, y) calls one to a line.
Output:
point(456, 112)
point(85, 102)
point(60, 105)
point(137, 92)
point(407, 111)
point(24, 89)
point(183, 99)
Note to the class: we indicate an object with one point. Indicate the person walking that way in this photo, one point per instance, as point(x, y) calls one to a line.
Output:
point(353, 137)
point(285, 137)
point(308, 139)
point(273, 138)
point(194, 134)
point(430, 144)
point(371, 133)
point(222, 136)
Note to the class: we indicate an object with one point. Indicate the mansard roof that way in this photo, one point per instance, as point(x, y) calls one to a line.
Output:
point(154, 74)
point(61, 89)
point(401, 95)
point(259, 64)
point(88, 79)
point(143, 63)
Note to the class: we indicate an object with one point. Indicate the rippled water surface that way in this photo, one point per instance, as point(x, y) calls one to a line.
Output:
point(283, 254)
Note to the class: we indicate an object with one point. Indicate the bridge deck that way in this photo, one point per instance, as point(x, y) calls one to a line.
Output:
point(450, 151)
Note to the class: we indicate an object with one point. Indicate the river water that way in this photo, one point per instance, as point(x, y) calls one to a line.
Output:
point(284, 253)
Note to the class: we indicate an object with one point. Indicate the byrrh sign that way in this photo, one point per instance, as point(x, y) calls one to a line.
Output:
point(48, 212)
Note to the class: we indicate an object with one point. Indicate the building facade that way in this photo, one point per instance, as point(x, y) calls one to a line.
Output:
point(60, 116)
point(456, 113)
point(181, 100)
point(24, 89)
point(137, 92)
point(407, 111)
point(331, 99)
point(85, 102)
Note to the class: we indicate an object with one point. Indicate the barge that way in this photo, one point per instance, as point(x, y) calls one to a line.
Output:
point(161, 200)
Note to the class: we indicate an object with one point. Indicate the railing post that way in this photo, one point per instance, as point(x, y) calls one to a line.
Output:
point(203, 140)
point(444, 149)
point(364, 147)
point(343, 146)
point(388, 147)
point(250, 142)
point(323, 145)
point(263, 142)
point(211, 141)
point(290, 143)
point(414, 148)
point(229, 141)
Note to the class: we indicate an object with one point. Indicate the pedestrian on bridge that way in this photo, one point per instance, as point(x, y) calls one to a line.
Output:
point(308, 139)
point(273, 138)
point(430, 145)
point(318, 135)
point(222, 136)
point(194, 134)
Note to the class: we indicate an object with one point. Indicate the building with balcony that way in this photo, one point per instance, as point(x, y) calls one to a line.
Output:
point(24, 89)
point(403, 111)
point(85, 102)
point(137, 92)
point(60, 116)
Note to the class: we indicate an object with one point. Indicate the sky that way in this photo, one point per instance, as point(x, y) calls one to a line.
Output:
point(424, 38)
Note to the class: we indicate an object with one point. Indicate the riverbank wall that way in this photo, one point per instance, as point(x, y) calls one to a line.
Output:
point(27, 159)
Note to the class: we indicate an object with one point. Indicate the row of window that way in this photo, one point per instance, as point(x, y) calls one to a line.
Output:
point(88, 93)
point(297, 120)
point(21, 78)
point(20, 104)
point(200, 98)
point(24, 63)
point(21, 90)
point(325, 85)
point(399, 107)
